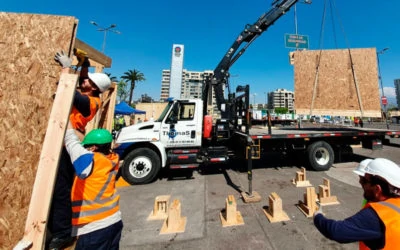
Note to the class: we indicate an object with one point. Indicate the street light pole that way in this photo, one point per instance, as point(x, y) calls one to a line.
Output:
point(380, 80)
point(105, 30)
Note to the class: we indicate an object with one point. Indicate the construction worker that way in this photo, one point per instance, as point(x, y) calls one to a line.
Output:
point(377, 225)
point(360, 171)
point(96, 216)
point(86, 103)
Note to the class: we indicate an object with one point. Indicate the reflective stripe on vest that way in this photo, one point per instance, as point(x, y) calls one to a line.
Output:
point(389, 213)
point(91, 205)
point(79, 121)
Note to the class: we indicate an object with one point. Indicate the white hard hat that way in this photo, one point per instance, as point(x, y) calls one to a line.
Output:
point(386, 169)
point(360, 170)
point(101, 80)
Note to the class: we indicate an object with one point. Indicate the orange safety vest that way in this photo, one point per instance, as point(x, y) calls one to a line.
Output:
point(95, 197)
point(389, 213)
point(78, 120)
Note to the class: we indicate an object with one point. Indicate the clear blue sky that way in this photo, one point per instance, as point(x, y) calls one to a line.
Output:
point(208, 28)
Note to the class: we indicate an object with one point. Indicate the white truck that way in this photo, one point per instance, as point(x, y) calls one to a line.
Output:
point(185, 135)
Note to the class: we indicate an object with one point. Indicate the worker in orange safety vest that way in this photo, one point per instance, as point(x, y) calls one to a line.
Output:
point(85, 105)
point(96, 217)
point(377, 224)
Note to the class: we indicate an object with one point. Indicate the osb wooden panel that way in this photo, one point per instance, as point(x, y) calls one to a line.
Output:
point(152, 110)
point(335, 91)
point(28, 76)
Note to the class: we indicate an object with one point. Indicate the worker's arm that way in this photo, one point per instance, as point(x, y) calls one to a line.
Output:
point(82, 103)
point(85, 67)
point(81, 158)
point(363, 226)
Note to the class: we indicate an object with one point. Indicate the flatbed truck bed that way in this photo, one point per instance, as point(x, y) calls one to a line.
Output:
point(258, 132)
point(319, 145)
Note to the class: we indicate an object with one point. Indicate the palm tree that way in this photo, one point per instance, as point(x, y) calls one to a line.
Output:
point(133, 76)
point(121, 91)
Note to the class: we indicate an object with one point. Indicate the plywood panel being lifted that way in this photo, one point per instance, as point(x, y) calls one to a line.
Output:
point(334, 90)
point(28, 76)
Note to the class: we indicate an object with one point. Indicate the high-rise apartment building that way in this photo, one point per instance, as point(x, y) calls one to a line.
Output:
point(397, 87)
point(165, 80)
point(180, 83)
point(176, 71)
point(281, 98)
point(191, 84)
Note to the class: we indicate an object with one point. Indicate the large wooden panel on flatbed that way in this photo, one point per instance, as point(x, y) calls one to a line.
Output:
point(334, 90)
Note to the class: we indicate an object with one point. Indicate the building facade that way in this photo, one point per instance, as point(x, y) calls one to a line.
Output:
point(165, 80)
point(179, 83)
point(397, 87)
point(191, 84)
point(281, 98)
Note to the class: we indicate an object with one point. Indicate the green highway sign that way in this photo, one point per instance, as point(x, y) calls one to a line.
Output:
point(296, 41)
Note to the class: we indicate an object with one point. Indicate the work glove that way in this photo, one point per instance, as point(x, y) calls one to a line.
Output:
point(319, 210)
point(63, 59)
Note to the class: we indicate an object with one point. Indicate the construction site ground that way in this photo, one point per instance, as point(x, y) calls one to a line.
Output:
point(203, 196)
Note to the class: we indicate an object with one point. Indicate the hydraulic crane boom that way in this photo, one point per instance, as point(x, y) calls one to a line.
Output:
point(248, 35)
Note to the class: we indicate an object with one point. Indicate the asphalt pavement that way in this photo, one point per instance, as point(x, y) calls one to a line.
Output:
point(202, 199)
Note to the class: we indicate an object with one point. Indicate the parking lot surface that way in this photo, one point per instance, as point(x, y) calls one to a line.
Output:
point(203, 196)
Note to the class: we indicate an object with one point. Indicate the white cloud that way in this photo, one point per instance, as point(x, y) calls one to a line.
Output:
point(390, 92)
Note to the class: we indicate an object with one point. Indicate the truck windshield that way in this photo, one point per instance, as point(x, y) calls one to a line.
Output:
point(165, 111)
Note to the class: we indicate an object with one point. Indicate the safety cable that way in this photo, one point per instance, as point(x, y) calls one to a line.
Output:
point(333, 26)
point(351, 63)
point(321, 35)
point(332, 8)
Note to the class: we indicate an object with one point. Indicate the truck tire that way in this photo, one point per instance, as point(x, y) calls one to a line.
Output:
point(320, 156)
point(140, 166)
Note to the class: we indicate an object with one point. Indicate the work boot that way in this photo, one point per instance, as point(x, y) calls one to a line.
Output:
point(60, 243)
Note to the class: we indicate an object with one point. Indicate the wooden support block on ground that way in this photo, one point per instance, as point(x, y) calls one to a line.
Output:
point(160, 208)
point(324, 195)
point(231, 217)
point(275, 212)
point(301, 179)
point(309, 205)
point(253, 197)
point(174, 223)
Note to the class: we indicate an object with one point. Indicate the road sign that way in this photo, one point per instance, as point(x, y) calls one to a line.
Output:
point(296, 41)
point(384, 100)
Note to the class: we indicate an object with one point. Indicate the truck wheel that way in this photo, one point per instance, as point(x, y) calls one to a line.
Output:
point(320, 156)
point(140, 166)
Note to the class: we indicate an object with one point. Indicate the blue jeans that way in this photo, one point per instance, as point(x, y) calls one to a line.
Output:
point(60, 216)
point(104, 239)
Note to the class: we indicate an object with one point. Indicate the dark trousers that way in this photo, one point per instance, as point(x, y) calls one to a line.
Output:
point(60, 216)
point(104, 239)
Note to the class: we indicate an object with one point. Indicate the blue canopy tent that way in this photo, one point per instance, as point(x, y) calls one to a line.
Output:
point(124, 109)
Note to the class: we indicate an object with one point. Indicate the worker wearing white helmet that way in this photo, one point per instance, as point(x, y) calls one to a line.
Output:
point(377, 225)
point(360, 170)
point(101, 80)
point(85, 105)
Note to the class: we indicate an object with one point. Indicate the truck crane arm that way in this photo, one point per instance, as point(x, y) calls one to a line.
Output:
point(246, 37)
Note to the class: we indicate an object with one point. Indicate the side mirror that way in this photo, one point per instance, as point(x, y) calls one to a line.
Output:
point(173, 119)
point(173, 116)
point(175, 110)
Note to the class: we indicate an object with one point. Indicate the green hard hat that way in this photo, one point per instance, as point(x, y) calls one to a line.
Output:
point(97, 136)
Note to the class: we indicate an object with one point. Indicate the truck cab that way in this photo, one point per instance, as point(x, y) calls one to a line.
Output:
point(173, 139)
